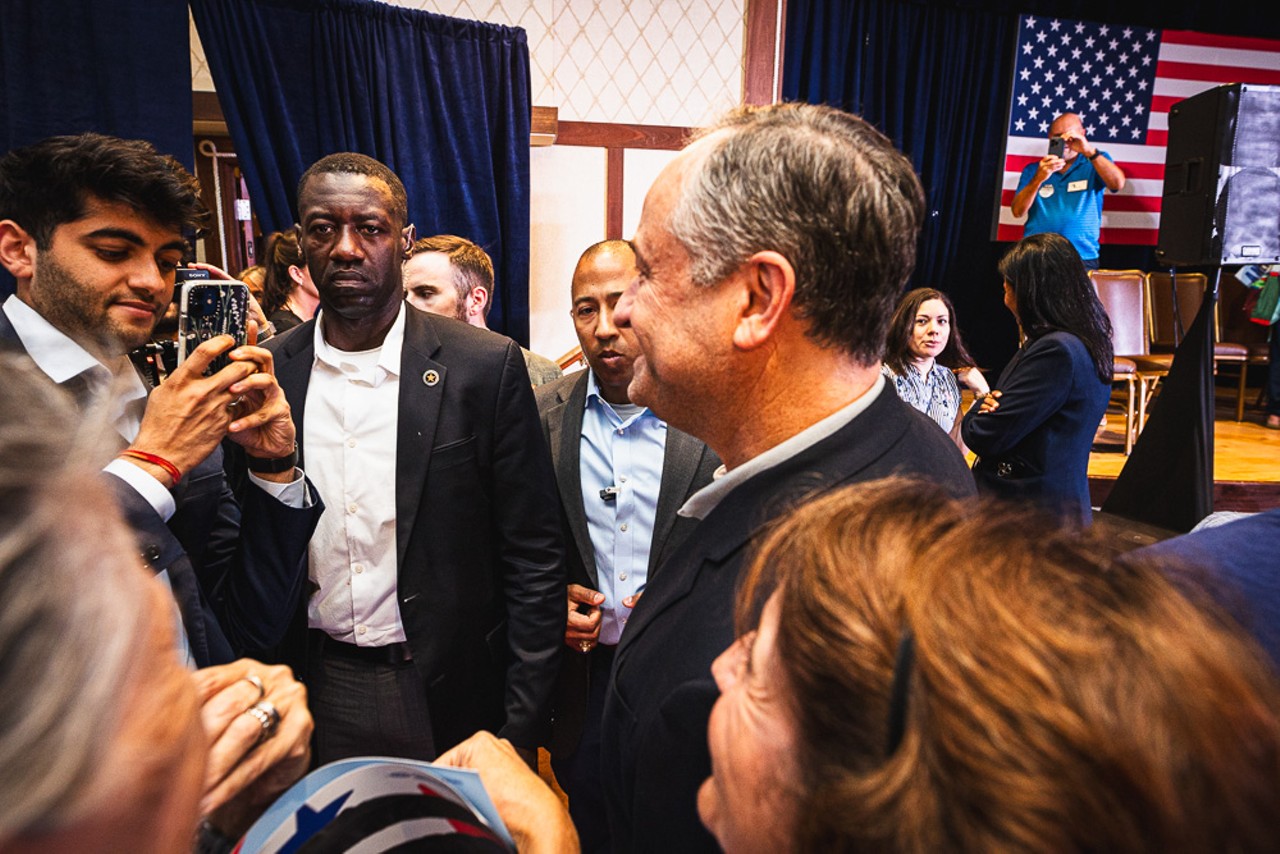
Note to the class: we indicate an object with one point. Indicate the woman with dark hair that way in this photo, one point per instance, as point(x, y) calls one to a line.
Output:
point(925, 356)
point(288, 295)
point(1033, 433)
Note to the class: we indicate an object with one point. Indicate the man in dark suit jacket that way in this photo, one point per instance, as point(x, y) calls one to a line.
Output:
point(771, 253)
point(95, 271)
point(637, 471)
point(437, 588)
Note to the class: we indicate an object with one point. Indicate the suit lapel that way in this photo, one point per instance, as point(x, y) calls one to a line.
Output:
point(293, 362)
point(679, 465)
point(564, 435)
point(422, 385)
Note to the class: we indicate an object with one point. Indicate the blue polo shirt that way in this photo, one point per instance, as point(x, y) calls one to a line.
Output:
point(1068, 203)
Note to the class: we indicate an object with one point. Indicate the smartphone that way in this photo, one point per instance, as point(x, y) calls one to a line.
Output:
point(209, 308)
point(1058, 146)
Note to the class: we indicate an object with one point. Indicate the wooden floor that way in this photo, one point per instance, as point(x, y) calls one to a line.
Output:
point(1246, 455)
point(1242, 451)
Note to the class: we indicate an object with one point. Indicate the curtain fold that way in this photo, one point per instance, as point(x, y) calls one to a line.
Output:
point(444, 102)
point(121, 68)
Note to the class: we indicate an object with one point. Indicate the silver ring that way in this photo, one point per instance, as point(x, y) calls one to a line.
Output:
point(235, 404)
point(257, 683)
point(268, 717)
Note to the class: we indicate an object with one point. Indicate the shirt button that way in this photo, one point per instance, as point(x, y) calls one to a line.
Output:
point(358, 568)
point(351, 443)
point(622, 576)
point(620, 431)
point(351, 508)
point(624, 526)
point(623, 478)
point(362, 629)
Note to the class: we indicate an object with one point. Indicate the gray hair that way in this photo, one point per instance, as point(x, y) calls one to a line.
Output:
point(72, 596)
point(827, 191)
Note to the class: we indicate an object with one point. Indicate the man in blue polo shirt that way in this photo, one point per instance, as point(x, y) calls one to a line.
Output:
point(1064, 194)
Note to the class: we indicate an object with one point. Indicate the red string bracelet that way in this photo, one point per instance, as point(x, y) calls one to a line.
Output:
point(169, 468)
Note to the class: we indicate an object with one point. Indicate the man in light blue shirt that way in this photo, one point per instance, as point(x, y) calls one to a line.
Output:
point(1063, 193)
point(622, 473)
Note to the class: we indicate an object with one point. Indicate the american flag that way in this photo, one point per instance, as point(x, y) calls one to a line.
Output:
point(1122, 80)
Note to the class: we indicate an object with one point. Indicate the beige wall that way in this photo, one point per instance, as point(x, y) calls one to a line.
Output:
point(658, 62)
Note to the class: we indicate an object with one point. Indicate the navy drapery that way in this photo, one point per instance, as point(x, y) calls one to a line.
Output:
point(444, 102)
point(68, 66)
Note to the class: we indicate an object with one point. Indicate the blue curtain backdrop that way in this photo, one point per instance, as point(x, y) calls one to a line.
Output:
point(935, 78)
point(444, 102)
point(122, 68)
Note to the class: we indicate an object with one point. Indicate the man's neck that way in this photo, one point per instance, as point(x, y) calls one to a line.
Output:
point(353, 336)
point(789, 397)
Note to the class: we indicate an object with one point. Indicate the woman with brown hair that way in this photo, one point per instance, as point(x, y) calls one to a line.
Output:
point(289, 297)
point(926, 359)
point(897, 685)
point(909, 690)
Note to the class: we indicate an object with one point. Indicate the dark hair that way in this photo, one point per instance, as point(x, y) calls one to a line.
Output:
point(1054, 294)
point(471, 265)
point(282, 253)
point(45, 185)
point(897, 351)
point(351, 163)
point(1058, 698)
point(826, 190)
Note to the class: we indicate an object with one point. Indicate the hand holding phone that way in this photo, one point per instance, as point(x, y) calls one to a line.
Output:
point(1058, 146)
point(210, 308)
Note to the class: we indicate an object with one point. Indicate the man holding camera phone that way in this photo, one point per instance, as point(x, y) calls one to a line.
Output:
point(1062, 192)
point(93, 228)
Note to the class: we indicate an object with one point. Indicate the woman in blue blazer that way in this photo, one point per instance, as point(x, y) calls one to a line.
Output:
point(1033, 432)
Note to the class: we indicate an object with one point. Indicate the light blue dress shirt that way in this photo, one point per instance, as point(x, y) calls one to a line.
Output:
point(621, 449)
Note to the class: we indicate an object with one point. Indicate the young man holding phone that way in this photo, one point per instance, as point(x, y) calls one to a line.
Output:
point(1062, 192)
point(93, 228)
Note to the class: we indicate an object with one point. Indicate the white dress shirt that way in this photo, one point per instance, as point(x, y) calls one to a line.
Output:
point(349, 433)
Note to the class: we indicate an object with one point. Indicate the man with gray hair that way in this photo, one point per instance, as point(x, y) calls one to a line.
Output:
point(450, 275)
point(770, 253)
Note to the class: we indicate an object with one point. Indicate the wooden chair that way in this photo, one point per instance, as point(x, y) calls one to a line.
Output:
point(1123, 295)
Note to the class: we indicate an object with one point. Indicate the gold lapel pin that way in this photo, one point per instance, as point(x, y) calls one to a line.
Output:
point(431, 377)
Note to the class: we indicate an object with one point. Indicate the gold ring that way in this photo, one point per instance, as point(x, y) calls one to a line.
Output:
point(585, 645)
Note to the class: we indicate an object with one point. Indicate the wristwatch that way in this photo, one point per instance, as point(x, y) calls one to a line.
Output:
point(258, 465)
point(1094, 156)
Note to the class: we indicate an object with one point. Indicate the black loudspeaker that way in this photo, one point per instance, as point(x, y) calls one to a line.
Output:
point(1222, 179)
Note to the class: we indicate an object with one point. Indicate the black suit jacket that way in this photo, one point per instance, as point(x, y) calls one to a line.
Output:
point(480, 564)
point(687, 466)
point(1035, 447)
point(235, 568)
point(655, 723)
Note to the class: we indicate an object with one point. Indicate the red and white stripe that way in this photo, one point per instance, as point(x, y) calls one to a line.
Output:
point(1189, 63)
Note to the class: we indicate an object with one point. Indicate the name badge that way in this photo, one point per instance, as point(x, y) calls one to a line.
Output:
point(1046, 190)
point(1077, 186)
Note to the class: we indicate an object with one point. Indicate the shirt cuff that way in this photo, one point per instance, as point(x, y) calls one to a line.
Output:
point(291, 494)
point(151, 490)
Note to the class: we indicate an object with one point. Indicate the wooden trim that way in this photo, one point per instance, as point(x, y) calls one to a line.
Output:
point(608, 135)
point(762, 78)
point(613, 193)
